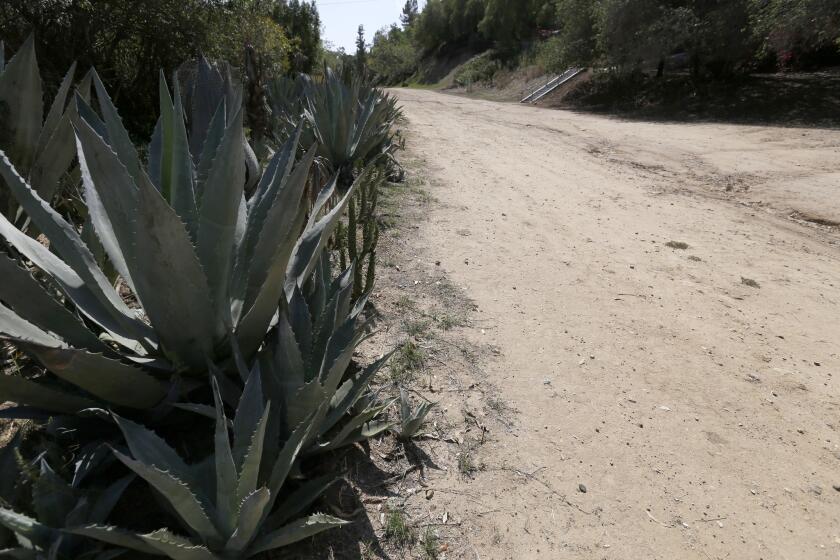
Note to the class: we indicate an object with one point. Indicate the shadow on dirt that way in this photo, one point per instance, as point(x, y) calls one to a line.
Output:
point(787, 100)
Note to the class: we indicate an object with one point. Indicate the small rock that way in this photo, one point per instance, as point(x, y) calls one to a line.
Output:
point(437, 263)
point(582, 488)
point(836, 487)
point(818, 364)
point(816, 490)
point(430, 494)
point(547, 382)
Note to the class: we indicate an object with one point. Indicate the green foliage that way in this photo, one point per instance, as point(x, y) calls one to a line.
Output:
point(228, 503)
point(129, 42)
point(481, 68)
point(714, 38)
point(393, 57)
point(40, 146)
point(411, 421)
point(351, 123)
point(361, 52)
point(358, 240)
point(791, 29)
point(202, 265)
point(59, 505)
point(301, 23)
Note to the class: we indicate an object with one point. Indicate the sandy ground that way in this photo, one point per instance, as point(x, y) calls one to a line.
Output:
point(700, 414)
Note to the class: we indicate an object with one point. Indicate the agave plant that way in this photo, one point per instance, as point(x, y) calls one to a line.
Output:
point(58, 505)
point(229, 505)
point(42, 149)
point(411, 420)
point(352, 124)
point(204, 86)
point(304, 364)
point(202, 268)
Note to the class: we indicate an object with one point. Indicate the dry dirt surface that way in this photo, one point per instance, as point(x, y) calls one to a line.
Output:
point(665, 304)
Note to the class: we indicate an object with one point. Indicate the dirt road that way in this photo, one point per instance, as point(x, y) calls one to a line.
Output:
point(694, 394)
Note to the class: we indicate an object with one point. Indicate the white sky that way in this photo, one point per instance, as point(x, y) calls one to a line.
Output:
point(341, 19)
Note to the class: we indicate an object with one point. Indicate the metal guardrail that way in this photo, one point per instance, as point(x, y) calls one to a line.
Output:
point(552, 84)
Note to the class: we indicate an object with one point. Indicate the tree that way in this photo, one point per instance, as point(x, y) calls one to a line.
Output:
point(302, 24)
point(792, 29)
point(409, 13)
point(361, 51)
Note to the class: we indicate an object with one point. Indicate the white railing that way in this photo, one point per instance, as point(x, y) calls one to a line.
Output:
point(552, 84)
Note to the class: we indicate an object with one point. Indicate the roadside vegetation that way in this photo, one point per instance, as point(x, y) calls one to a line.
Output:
point(185, 288)
point(632, 44)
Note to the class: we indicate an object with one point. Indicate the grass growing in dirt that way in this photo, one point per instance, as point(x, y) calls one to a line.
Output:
point(467, 464)
point(449, 321)
point(398, 530)
point(430, 544)
point(416, 327)
point(408, 359)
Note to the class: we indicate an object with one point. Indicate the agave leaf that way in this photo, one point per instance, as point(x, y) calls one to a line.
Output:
point(268, 264)
point(148, 448)
point(21, 99)
point(251, 515)
point(26, 527)
point(118, 137)
point(32, 303)
point(337, 356)
point(69, 282)
point(283, 218)
point(288, 455)
point(178, 494)
point(107, 501)
point(210, 146)
point(110, 380)
point(176, 166)
point(309, 246)
point(56, 149)
point(301, 403)
point(67, 243)
point(19, 554)
point(296, 531)
point(207, 94)
point(350, 391)
point(56, 109)
point(23, 391)
point(298, 501)
point(301, 322)
point(249, 473)
point(354, 429)
point(279, 167)
point(54, 160)
point(177, 548)
point(226, 479)
point(249, 414)
point(111, 198)
point(218, 214)
point(180, 310)
point(52, 497)
point(13, 327)
point(114, 536)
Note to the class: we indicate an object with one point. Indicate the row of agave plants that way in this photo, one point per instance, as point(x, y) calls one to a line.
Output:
point(187, 331)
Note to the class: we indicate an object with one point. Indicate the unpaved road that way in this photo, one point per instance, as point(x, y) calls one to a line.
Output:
point(701, 414)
